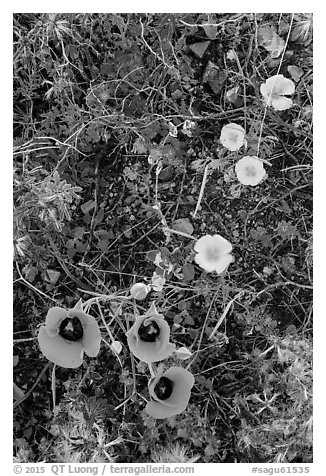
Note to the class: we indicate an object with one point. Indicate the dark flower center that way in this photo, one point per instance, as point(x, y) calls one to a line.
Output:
point(163, 389)
point(71, 329)
point(150, 332)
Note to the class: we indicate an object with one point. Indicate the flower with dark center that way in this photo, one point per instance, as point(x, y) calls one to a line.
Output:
point(148, 338)
point(67, 335)
point(150, 332)
point(71, 329)
point(163, 389)
point(170, 392)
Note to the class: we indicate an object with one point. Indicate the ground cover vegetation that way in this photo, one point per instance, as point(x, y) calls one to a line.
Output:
point(162, 237)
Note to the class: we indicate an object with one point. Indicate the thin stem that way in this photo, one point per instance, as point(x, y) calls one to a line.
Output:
point(53, 385)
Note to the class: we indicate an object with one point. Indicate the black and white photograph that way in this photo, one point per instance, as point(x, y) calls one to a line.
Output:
point(163, 240)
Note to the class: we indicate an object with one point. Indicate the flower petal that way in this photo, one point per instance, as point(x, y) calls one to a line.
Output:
point(92, 335)
point(281, 103)
point(147, 351)
point(279, 85)
point(203, 242)
point(53, 318)
point(204, 262)
point(223, 263)
point(60, 351)
point(223, 245)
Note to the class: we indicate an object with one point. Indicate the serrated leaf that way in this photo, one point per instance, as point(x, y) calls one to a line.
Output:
point(199, 48)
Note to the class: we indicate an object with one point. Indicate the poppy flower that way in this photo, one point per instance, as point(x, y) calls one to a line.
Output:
point(213, 253)
point(274, 91)
point(148, 338)
point(67, 334)
point(170, 393)
point(232, 136)
point(250, 170)
point(139, 291)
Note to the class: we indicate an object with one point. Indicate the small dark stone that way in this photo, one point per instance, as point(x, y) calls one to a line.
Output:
point(163, 389)
point(150, 332)
point(71, 329)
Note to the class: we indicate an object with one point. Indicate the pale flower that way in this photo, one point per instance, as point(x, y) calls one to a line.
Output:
point(149, 337)
point(213, 253)
point(139, 291)
point(67, 334)
point(170, 392)
point(232, 136)
point(274, 91)
point(250, 170)
point(157, 282)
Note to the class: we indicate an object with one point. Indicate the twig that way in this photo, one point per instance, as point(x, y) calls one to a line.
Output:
point(53, 385)
point(224, 313)
point(202, 188)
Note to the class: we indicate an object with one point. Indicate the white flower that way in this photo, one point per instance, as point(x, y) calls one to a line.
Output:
point(232, 136)
point(139, 291)
point(213, 253)
point(274, 91)
point(250, 170)
point(157, 282)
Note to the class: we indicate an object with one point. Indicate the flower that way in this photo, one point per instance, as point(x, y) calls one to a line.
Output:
point(250, 170)
point(170, 392)
point(148, 338)
point(67, 335)
point(274, 91)
point(213, 253)
point(232, 136)
point(157, 282)
point(139, 291)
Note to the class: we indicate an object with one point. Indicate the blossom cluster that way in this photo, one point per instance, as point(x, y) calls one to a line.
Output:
point(69, 334)
point(250, 169)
